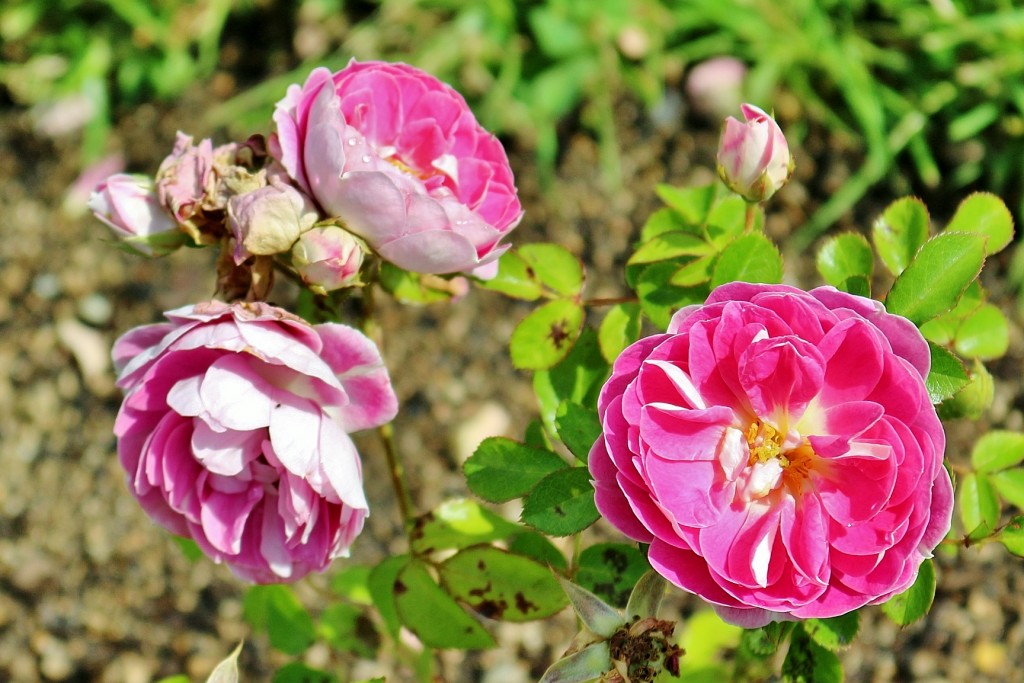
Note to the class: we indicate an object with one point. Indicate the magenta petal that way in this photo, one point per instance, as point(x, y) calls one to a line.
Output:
point(224, 516)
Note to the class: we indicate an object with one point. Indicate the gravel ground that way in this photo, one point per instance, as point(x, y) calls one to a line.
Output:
point(90, 590)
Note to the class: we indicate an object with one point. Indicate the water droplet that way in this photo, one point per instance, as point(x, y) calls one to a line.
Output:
point(366, 158)
point(352, 142)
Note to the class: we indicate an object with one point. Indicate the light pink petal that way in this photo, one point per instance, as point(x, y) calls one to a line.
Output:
point(225, 453)
point(223, 517)
point(360, 369)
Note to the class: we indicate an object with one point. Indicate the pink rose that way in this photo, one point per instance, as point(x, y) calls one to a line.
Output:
point(188, 178)
point(753, 157)
point(778, 451)
point(234, 432)
point(400, 159)
point(128, 204)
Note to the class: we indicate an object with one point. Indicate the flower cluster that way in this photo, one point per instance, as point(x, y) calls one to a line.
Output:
point(235, 426)
point(778, 451)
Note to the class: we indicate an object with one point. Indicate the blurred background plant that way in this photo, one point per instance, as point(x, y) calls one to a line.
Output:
point(927, 95)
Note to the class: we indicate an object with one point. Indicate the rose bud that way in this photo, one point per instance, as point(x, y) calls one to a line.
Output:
point(269, 219)
point(328, 258)
point(753, 157)
point(130, 206)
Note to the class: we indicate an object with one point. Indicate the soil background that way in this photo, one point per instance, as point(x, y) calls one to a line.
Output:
point(91, 590)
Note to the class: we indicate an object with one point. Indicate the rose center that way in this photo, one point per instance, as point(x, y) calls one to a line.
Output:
point(767, 443)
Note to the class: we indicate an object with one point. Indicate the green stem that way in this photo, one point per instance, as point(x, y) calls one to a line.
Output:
point(387, 437)
point(609, 301)
point(749, 216)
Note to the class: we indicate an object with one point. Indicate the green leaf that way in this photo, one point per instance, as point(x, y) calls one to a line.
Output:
point(578, 428)
point(938, 275)
point(1012, 536)
point(659, 299)
point(458, 523)
point(728, 220)
point(297, 672)
point(554, 266)
point(765, 641)
point(344, 628)
point(947, 375)
point(997, 450)
point(985, 334)
point(979, 506)
point(381, 584)
point(189, 548)
point(748, 258)
point(433, 615)
point(692, 203)
point(645, 599)
point(562, 503)
point(695, 272)
point(535, 436)
point(514, 279)
point(705, 638)
point(412, 288)
point(899, 232)
point(670, 245)
point(913, 603)
point(578, 378)
point(610, 571)
point(580, 667)
point(502, 469)
point(1010, 484)
point(351, 583)
point(834, 633)
point(667, 220)
point(845, 258)
point(275, 608)
point(537, 546)
point(546, 335)
point(984, 214)
point(808, 662)
point(500, 585)
point(974, 399)
point(619, 328)
point(595, 613)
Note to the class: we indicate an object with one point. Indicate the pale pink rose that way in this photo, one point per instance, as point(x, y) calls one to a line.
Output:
point(778, 451)
point(753, 156)
point(400, 159)
point(234, 432)
point(328, 258)
point(129, 205)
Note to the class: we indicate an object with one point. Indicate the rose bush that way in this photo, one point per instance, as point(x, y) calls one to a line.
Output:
point(778, 451)
point(234, 432)
point(399, 157)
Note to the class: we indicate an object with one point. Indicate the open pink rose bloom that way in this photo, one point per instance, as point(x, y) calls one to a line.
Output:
point(234, 432)
point(778, 451)
point(401, 160)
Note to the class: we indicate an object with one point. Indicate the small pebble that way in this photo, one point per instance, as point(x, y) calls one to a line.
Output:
point(95, 309)
point(46, 286)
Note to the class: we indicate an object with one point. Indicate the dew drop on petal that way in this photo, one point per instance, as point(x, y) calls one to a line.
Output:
point(366, 158)
point(352, 142)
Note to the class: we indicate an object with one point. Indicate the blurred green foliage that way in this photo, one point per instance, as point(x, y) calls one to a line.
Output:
point(923, 94)
point(74, 60)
